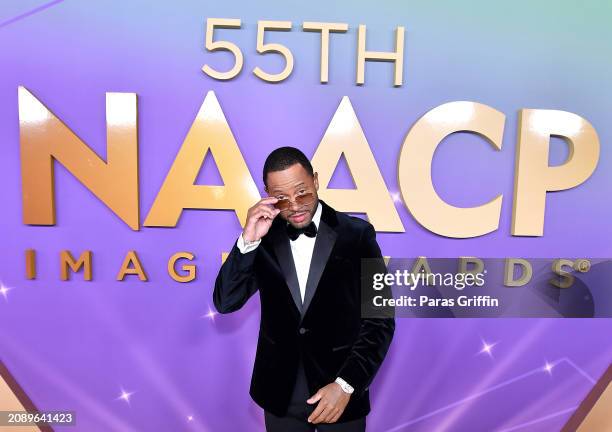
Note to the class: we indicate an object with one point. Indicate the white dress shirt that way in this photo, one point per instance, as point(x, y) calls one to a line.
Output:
point(301, 249)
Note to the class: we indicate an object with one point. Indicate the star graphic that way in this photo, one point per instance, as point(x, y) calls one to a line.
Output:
point(487, 348)
point(4, 291)
point(548, 367)
point(125, 396)
point(210, 315)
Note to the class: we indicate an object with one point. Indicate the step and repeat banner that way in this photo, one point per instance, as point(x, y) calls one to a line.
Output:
point(474, 136)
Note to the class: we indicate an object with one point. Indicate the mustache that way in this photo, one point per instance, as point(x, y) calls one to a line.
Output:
point(297, 212)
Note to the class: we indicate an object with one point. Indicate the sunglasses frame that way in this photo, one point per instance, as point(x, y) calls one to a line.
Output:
point(288, 201)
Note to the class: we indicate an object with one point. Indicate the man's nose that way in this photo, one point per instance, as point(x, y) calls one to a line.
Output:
point(294, 205)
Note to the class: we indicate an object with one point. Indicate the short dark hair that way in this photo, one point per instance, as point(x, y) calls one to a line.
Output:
point(284, 157)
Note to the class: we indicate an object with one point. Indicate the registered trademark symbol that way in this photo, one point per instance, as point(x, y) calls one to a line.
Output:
point(582, 265)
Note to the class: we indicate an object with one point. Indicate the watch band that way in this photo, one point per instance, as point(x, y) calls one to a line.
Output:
point(346, 387)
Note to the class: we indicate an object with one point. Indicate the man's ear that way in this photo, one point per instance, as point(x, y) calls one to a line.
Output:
point(316, 181)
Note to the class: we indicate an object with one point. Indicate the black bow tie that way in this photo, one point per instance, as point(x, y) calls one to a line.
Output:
point(309, 230)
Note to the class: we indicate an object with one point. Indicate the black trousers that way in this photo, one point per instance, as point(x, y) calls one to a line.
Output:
point(296, 419)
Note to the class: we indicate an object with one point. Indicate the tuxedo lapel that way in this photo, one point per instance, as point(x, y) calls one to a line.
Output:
point(325, 240)
point(282, 249)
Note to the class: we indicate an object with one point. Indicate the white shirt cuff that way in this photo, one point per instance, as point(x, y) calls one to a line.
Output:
point(247, 247)
point(346, 387)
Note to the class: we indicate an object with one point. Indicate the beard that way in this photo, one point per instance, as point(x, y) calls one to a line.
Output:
point(303, 216)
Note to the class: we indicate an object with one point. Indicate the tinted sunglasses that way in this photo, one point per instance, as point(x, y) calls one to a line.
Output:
point(301, 201)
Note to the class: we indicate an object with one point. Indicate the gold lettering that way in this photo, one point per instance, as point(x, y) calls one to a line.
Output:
point(344, 135)
point(209, 131)
point(66, 260)
point(325, 29)
point(189, 268)
point(397, 57)
point(135, 268)
point(45, 138)
point(533, 177)
point(414, 169)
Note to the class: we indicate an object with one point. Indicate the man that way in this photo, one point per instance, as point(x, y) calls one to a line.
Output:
point(316, 354)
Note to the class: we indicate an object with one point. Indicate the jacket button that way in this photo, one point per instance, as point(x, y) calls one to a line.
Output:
point(302, 330)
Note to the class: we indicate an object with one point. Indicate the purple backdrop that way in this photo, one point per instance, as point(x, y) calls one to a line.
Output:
point(82, 345)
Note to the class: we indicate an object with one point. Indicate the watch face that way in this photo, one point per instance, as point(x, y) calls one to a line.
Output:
point(347, 388)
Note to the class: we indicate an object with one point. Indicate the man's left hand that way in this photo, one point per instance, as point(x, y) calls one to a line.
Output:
point(332, 402)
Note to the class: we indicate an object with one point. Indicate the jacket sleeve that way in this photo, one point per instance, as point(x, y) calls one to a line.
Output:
point(375, 334)
point(236, 281)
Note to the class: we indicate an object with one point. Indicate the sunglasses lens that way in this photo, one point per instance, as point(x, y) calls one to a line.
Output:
point(283, 205)
point(301, 200)
point(304, 199)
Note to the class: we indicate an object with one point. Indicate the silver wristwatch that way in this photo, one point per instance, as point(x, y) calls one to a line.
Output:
point(346, 388)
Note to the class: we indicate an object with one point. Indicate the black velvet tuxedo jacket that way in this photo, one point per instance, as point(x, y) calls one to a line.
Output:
point(327, 331)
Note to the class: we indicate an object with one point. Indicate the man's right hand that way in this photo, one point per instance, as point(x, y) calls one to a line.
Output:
point(259, 219)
